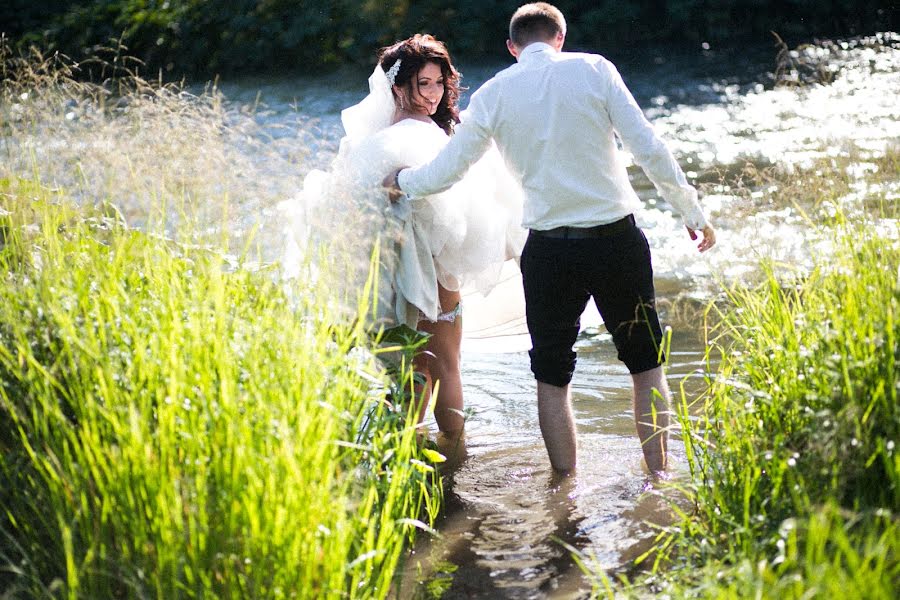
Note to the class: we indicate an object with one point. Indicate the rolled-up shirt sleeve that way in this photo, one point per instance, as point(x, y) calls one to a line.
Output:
point(471, 140)
point(650, 152)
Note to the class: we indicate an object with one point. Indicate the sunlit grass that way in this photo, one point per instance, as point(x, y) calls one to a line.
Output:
point(794, 471)
point(161, 152)
point(797, 480)
point(172, 427)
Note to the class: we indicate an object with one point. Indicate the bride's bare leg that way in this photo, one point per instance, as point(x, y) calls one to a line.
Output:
point(422, 364)
point(444, 366)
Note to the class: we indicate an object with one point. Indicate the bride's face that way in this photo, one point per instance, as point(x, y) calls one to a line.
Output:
point(428, 89)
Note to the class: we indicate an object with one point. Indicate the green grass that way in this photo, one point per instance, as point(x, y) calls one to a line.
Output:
point(797, 478)
point(174, 428)
point(794, 468)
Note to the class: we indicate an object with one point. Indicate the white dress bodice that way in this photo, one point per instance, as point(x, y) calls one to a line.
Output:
point(460, 237)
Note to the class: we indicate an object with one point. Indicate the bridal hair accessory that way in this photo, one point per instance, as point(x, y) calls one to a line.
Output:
point(392, 72)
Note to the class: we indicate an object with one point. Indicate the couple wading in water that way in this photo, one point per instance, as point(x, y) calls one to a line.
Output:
point(530, 171)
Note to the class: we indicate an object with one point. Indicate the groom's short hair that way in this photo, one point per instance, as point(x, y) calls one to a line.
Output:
point(536, 22)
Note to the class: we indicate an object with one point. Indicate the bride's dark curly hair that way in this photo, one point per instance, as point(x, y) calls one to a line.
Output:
point(414, 53)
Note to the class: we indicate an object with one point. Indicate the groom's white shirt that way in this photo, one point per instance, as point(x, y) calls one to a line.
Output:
point(553, 116)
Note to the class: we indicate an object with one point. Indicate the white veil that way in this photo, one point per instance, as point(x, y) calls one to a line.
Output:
point(375, 112)
point(361, 121)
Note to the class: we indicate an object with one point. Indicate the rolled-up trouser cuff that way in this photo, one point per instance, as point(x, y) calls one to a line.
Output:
point(561, 275)
point(553, 365)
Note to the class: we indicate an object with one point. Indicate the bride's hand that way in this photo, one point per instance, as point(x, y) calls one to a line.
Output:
point(393, 189)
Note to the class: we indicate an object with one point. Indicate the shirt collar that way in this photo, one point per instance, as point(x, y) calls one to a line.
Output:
point(532, 50)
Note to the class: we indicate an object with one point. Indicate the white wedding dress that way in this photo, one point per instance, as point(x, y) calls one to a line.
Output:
point(460, 238)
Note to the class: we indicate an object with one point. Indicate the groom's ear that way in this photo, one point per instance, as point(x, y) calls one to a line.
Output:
point(560, 41)
point(512, 49)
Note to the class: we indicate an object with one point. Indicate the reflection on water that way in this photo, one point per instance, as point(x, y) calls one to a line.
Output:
point(508, 516)
point(718, 111)
point(792, 125)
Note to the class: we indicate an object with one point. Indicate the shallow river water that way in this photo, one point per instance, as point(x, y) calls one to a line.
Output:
point(507, 517)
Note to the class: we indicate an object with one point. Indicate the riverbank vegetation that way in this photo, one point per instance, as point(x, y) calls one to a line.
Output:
point(173, 425)
point(794, 470)
point(175, 420)
point(216, 37)
point(150, 148)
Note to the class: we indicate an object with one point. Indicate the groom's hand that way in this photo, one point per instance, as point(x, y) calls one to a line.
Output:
point(709, 238)
point(393, 188)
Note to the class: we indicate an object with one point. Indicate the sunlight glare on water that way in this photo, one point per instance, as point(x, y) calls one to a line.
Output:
point(506, 512)
point(506, 515)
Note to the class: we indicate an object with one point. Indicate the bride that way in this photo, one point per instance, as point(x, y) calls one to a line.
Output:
point(428, 248)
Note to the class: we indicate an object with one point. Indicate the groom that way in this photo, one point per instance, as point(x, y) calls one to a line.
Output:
point(554, 116)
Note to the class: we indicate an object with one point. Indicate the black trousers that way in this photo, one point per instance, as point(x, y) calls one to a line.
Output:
point(561, 275)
